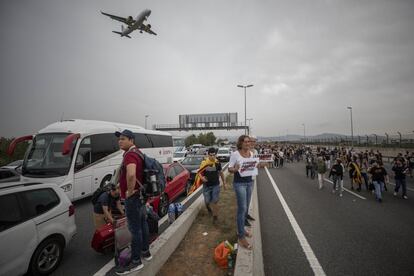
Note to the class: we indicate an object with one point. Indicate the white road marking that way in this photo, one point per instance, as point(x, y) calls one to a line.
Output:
point(313, 261)
point(345, 189)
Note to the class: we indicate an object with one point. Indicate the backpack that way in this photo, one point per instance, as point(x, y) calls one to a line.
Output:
point(154, 179)
point(98, 193)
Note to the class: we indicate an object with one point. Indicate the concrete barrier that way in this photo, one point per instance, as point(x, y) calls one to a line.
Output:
point(250, 262)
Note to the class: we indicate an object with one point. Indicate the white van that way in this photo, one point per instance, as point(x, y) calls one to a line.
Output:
point(81, 155)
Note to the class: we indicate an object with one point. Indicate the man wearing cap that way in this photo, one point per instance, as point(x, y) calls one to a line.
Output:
point(130, 183)
point(210, 177)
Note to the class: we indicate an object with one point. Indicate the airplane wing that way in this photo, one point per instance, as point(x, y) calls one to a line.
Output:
point(147, 28)
point(126, 20)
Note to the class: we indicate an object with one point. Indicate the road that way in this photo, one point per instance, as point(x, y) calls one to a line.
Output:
point(348, 235)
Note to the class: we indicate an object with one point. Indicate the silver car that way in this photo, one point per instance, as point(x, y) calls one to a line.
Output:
point(36, 223)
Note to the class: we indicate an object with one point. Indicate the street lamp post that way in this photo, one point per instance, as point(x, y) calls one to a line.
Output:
point(399, 133)
point(251, 119)
point(245, 112)
point(304, 132)
point(146, 117)
point(352, 127)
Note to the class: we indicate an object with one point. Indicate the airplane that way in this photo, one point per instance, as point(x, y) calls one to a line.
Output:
point(132, 24)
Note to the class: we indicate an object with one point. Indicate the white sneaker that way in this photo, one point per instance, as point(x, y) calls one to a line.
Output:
point(405, 197)
point(395, 193)
point(340, 195)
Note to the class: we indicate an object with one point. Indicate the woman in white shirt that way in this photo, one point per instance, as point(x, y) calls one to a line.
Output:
point(242, 187)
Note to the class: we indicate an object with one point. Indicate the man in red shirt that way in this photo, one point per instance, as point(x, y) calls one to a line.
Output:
point(130, 182)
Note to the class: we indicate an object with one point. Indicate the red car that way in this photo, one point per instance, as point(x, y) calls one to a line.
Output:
point(176, 184)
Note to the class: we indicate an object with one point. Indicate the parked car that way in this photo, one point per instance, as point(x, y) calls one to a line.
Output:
point(36, 223)
point(176, 184)
point(192, 163)
point(179, 156)
point(223, 154)
point(10, 172)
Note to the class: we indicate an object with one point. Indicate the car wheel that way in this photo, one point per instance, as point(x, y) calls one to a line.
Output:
point(188, 188)
point(47, 257)
point(105, 179)
point(163, 205)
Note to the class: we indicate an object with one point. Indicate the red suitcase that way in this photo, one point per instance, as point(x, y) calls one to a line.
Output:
point(103, 239)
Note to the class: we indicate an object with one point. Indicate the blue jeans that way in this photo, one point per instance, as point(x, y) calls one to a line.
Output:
point(211, 193)
point(243, 195)
point(379, 187)
point(137, 224)
point(398, 184)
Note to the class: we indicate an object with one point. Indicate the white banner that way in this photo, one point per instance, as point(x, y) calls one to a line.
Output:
point(248, 167)
point(266, 157)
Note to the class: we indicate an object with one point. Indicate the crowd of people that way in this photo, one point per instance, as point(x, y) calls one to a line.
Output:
point(364, 168)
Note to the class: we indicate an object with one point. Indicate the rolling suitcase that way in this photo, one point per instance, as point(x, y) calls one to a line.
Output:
point(103, 238)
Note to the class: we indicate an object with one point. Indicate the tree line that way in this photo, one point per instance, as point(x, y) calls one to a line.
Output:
point(18, 152)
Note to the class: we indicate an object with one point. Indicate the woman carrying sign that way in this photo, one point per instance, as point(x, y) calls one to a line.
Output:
point(244, 166)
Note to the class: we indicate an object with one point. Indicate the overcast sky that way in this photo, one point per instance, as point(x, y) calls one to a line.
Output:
point(308, 61)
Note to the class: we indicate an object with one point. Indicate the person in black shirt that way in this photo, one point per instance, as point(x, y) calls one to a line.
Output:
point(400, 170)
point(107, 204)
point(337, 172)
point(211, 187)
point(379, 178)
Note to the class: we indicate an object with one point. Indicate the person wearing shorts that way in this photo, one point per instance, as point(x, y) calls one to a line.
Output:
point(211, 184)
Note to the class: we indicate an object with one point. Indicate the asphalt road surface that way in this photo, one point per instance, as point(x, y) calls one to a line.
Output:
point(348, 235)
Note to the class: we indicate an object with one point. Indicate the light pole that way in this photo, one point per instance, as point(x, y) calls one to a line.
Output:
point(146, 117)
point(245, 118)
point(251, 119)
point(352, 128)
point(304, 132)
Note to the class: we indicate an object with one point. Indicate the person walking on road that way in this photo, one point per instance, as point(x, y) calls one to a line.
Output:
point(337, 174)
point(355, 174)
point(211, 183)
point(242, 187)
point(130, 182)
point(400, 170)
point(379, 178)
point(321, 171)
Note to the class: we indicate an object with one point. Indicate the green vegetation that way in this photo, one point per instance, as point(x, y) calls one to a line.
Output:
point(207, 139)
point(18, 153)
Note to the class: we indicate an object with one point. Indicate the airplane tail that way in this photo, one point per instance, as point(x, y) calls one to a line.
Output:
point(121, 33)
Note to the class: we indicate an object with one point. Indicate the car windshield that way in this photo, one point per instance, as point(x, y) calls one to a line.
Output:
point(44, 157)
point(192, 160)
point(224, 151)
point(179, 154)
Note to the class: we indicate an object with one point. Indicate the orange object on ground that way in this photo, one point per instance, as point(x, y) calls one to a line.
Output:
point(220, 255)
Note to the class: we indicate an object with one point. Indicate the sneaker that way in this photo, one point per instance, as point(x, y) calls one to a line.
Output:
point(247, 223)
point(395, 193)
point(133, 266)
point(340, 195)
point(147, 256)
point(379, 200)
point(405, 197)
point(249, 217)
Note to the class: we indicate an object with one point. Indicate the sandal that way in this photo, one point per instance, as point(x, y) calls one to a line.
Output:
point(243, 243)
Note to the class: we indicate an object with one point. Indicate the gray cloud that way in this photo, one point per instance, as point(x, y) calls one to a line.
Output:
point(308, 60)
